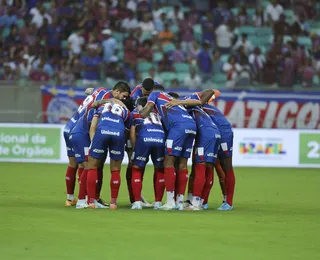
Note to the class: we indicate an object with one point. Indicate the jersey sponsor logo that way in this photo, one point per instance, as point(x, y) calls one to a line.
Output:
point(155, 130)
point(98, 151)
point(178, 148)
point(189, 150)
point(153, 140)
point(77, 155)
point(107, 132)
point(160, 159)
point(186, 116)
point(110, 119)
point(188, 131)
point(115, 152)
point(217, 136)
point(140, 158)
point(60, 109)
point(73, 120)
point(68, 148)
point(66, 131)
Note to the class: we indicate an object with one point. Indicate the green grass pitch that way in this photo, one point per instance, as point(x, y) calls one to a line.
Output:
point(276, 216)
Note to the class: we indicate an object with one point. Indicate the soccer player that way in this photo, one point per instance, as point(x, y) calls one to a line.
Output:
point(224, 154)
point(205, 150)
point(73, 165)
point(107, 132)
point(181, 131)
point(144, 89)
point(148, 138)
point(81, 140)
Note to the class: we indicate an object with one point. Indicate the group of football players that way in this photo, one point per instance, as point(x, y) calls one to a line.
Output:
point(149, 122)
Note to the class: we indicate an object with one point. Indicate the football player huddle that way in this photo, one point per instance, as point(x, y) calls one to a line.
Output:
point(148, 122)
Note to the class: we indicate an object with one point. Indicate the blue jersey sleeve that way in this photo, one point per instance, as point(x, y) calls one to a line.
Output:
point(153, 97)
point(98, 112)
point(195, 96)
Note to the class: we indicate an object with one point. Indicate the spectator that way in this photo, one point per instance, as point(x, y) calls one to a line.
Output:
point(91, 67)
point(146, 25)
point(75, 42)
point(256, 61)
point(273, 11)
point(186, 29)
point(258, 18)
point(175, 15)
point(194, 51)
point(145, 51)
point(243, 18)
point(130, 45)
point(204, 62)
point(243, 42)
point(13, 39)
point(178, 55)
point(308, 73)
point(221, 14)
point(39, 15)
point(225, 36)
point(217, 63)
point(315, 48)
point(115, 71)
point(24, 67)
point(8, 73)
point(109, 45)
point(165, 64)
point(192, 81)
point(131, 5)
point(231, 68)
point(156, 11)
point(166, 36)
point(288, 69)
point(65, 76)
point(208, 28)
point(43, 65)
point(8, 19)
point(281, 27)
point(54, 34)
point(143, 8)
point(160, 22)
point(130, 23)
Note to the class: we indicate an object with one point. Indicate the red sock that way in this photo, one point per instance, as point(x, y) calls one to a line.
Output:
point(159, 185)
point(182, 180)
point(115, 182)
point(170, 179)
point(92, 180)
point(191, 181)
point(71, 179)
point(83, 185)
point(80, 171)
point(136, 183)
point(230, 183)
point(222, 178)
point(99, 184)
point(129, 185)
point(199, 179)
point(208, 185)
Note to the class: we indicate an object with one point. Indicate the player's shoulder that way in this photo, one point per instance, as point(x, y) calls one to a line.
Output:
point(136, 90)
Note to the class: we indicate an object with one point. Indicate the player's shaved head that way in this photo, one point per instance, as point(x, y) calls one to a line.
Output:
point(174, 95)
point(158, 88)
point(148, 84)
point(142, 101)
point(128, 103)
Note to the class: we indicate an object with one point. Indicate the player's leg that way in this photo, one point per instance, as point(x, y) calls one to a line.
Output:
point(183, 170)
point(70, 172)
point(190, 183)
point(222, 177)
point(100, 182)
point(130, 154)
point(96, 155)
point(208, 185)
point(226, 164)
point(116, 147)
point(157, 156)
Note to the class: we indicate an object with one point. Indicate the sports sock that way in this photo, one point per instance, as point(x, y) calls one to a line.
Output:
point(129, 184)
point(199, 179)
point(159, 185)
point(136, 183)
point(191, 181)
point(99, 183)
point(196, 201)
point(83, 185)
point(222, 178)
point(115, 182)
point(230, 183)
point(92, 180)
point(208, 185)
point(170, 181)
point(70, 181)
point(80, 171)
point(182, 183)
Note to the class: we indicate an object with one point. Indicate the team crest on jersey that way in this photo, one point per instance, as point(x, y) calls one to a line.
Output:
point(60, 110)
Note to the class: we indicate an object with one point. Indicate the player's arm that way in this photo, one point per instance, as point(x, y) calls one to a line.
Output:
point(88, 91)
point(208, 94)
point(146, 110)
point(133, 135)
point(187, 102)
point(93, 127)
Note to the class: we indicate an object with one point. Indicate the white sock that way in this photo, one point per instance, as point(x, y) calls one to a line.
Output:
point(196, 201)
point(189, 197)
point(180, 198)
point(170, 197)
point(70, 197)
point(82, 201)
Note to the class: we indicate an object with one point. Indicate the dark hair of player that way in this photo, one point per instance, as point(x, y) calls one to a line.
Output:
point(141, 101)
point(158, 88)
point(128, 103)
point(122, 87)
point(174, 95)
point(148, 84)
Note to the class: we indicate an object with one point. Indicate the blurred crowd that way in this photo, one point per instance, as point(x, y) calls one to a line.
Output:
point(182, 43)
